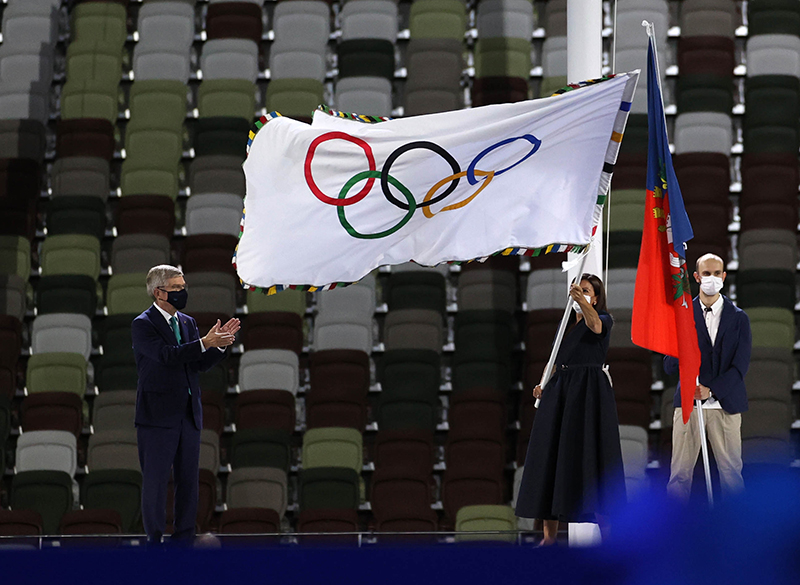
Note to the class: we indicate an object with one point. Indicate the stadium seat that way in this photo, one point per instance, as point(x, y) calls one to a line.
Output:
point(417, 290)
point(113, 449)
point(100, 21)
point(214, 213)
point(366, 95)
point(20, 523)
point(249, 521)
point(477, 409)
point(274, 369)
point(85, 137)
point(409, 396)
point(85, 522)
point(15, 256)
point(327, 521)
point(13, 296)
point(773, 17)
point(158, 103)
point(438, 19)
point(333, 447)
point(483, 350)
point(117, 489)
point(259, 447)
point(270, 409)
point(212, 292)
point(397, 493)
point(56, 372)
point(56, 411)
point(22, 138)
point(137, 253)
point(209, 253)
point(375, 19)
point(114, 410)
point(79, 215)
point(217, 173)
point(631, 372)
point(273, 330)
point(768, 248)
point(47, 492)
point(481, 447)
point(126, 293)
point(323, 488)
point(505, 18)
point(286, 300)
point(470, 487)
point(765, 287)
point(47, 450)
point(771, 326)
point(408, 449)
point(486, 518)
point(258, 487)
point(239, 20)
point(366, 58)
point(70, 254)
point(413, 329)
point(220, 136)
point(230, 59)
point(502, 57)
point(499, 90)
point(296, 98)
point(434, 69)
point(234, 98)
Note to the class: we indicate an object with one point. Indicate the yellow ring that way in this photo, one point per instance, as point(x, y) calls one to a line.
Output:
point(427, 210)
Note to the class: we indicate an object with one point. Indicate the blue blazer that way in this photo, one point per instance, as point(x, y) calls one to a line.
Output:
point(167, 370)
point(723, 365)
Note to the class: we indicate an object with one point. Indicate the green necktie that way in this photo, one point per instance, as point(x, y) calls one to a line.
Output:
point(174, 322)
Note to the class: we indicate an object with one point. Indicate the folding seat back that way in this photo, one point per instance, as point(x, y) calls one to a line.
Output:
point(777, 54)
point(297, 98)
point(217, 174)
point(620, 291)
point(499, 90)
point(481, 334)
point(434, 75)
point(257, 487)
point(768, 178)
point(209, 253)
point(47, 450)
point(703, 132)
point(230, 59)
point(214, 213)
point(261, 448)
point(86, 522)
point(10, 339)
point(100, 21)
point(158, 103)
point(137, 253)
point(238, 20)
point(487, 289)
point(405, 449)
point(113, 450)
point(626, 207)
point(71, 254)
point(222, 136)
point(770, 375)
point(438, 19)
point(413, 329)
point(272, 409)
point(417, 290)
point(375, 20)
point(90, 138)
point(505, 18)
point(481, 448)
point(330, 522)
point(705, 177)
point(47, 492)
point(62, 332)
point(233, 98)
point(366, 58)
point(470, 488)
point(546, 289)
point(333, 447)
point(765, 433)
point(708, 17)
point(773, 17)
point(172, 21)
point(127, 293)
point(706, 55)
point(76, 215)
point(270, 369)
point(52, 411)
point(27, 22)
point(15, 256)
point(249, 521)
point(149, 178)
point(324, 488)
point(114, 410)
point(773, 249)
point(345, 369)
point(306, 21)
point(294, 301)
point(148, 144)
point(334, 332)
point(67, 293)
point(22, 138)
point(211, 292)
point(209, 450)
point(368, 95)
point(633, 440)
point(771, 327)
point(352, 302)
point(95, 61)
point(765, 287)
point(56, 372)
point(395, 492)
point(116, 489)
point(485, 519)
point(278, 330)
point(477, 408)
point(503, 57)
point(13, 296)
point(20, 523)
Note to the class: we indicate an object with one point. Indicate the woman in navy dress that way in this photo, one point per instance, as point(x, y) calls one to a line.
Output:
point(573, 470)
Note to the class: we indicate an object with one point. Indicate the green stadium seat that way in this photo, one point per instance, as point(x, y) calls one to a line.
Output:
point(417, 290)
point(47, 492)
point(626, 208)
point(292, 301)
point(329, 488)
point(221, 135)
point(158, 103)
point(94, 60)
point(117, 489)
point(227, 97)
point(103, 22)
point(765, 287)
point(126, 293)
point(296, 98)
point(366, 58)
point(76, 214)
point(485, 519)
point(147, 143)
point(67, 293)
point(503, 57)
point(15, 256)
point(70, 254)
point(261, 448)
point(56, 372)
point(409, 398)
point(773, 17)
point(145, 178)
point(771, 326)
point(333, 447)
point(91, 98)
point(438, 19)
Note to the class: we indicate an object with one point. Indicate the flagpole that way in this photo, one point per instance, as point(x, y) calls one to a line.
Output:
point(650, 28)
point(704, 446)
point(562, 327)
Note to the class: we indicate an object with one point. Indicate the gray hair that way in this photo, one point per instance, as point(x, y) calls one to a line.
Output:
point(159, 276)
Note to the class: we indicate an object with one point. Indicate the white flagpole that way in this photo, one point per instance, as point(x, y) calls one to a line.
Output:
point(650, 28)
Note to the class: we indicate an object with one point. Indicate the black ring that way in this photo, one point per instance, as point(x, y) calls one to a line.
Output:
point(411, 146)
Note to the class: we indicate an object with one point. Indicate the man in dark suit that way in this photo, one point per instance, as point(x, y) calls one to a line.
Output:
point(723, 334)
point(169, 356)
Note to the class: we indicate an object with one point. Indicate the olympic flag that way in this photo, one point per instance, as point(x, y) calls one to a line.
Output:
point(329, 202)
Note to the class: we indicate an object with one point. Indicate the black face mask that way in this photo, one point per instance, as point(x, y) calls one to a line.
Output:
point(177, 298)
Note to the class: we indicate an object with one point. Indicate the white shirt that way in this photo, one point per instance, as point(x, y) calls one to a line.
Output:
point(168, 317)
point(712, 319)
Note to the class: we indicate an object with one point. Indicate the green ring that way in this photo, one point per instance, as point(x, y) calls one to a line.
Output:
point(412, 206)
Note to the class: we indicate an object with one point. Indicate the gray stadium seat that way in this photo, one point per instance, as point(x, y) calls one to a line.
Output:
point(30, 22)
point(768, 248)
point(269, 369)
point(161, 61)
point(773, 55)
point(217, 174)
point(209, 450)
point(364, 95)
point(487, 289)
point(413, 329)
point(301, 28)
point(621, 283)
point(13, 296)
point(114, 410)
point(24, 101)
point(230, 59)
point(547, 289)
point(258, 487)
point(708, 18)
point(330, 333)
point(62, 332)
point(212, 292)
point(505, 18)
point(356, 301)
point(214, 213)
point(433, 83)
point(633, 441)
point(703, 132)
point(139, 252)
point(369, 19)
point(22, 139)
point(80, 175)
point(555, 18)
point(26, 63)
point(47, 450)
point(113, 449)
point(170, 21)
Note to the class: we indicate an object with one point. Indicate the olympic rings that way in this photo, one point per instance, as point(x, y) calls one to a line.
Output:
point(310, 179)
point(411, 146)
point(530, 138)
point(371, 176)
point(411, 204)
point(489, 176)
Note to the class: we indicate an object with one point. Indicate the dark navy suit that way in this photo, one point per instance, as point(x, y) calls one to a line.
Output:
point(168, 418)
point(723, 365)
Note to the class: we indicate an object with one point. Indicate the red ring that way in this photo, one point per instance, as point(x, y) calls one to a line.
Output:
point(310, 180)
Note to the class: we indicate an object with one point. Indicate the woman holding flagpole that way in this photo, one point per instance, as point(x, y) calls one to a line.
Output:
point(573, 470)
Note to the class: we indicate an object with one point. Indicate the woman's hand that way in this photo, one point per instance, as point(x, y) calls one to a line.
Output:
point(537, 392)
point(576, 292)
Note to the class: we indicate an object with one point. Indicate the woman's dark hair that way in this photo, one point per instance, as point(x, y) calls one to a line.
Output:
point(599, 291)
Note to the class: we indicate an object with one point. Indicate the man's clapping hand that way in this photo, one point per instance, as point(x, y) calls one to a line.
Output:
point(219, 336)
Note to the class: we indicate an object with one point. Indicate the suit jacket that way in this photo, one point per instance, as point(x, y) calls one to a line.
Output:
point(167, 370)
point(723, 365)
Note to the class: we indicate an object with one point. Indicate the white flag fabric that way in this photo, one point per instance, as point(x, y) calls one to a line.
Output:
point(329, 202)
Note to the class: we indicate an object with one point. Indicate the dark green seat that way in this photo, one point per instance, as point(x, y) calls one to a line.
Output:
point(115, 489)
point(76, 214)
point(624, 247)
point(117, 372)
point(15, 256)
point(366, 58)
point(765, 287)
point(297, 98)
point(67, 293)
point(705, 93)
point(215, 380)
point(483, 333)
point(634, 140)
point(773, 17)
point(160, 103)
point(503, 57)
point(5, 427)
point(417, 290)
point(774, 125)
point(220, 135)
point(261, 448)
point(329, 488)
point(46, 492)
point(115, 334)
point(410, 380)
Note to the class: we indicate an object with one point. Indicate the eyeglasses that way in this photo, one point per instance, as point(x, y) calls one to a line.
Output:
point(161, 288)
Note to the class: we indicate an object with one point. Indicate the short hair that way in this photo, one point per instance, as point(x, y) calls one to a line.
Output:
point(159, 276)
point(599, 291)
point(705, 257)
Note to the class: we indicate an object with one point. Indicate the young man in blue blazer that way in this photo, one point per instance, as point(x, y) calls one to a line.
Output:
point(723, 334)
point(170, 354)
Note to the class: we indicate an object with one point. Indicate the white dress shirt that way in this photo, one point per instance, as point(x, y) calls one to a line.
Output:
point(168, 317)
point(712, 319)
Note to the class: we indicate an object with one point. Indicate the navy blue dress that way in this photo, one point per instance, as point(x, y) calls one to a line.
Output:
point(573, 469)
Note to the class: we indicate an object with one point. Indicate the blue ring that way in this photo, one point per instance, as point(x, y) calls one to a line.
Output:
point(529, 137)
